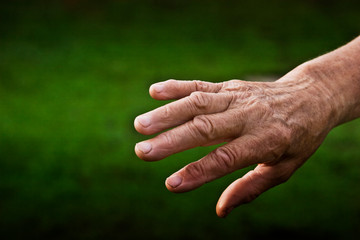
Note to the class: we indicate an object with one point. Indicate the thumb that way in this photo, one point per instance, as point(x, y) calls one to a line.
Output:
point(250, 186)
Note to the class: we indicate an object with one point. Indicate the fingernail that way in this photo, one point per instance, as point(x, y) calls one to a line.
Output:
point(145, 147)
point(144, 120)
point(158, 87)
point(174, 181)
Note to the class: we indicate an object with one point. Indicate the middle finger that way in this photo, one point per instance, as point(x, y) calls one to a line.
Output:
point(181, 111)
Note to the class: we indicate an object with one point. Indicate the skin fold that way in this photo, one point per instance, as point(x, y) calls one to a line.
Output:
point(276, 126)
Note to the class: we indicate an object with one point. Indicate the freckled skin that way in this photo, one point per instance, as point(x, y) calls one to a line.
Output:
point(276, 125)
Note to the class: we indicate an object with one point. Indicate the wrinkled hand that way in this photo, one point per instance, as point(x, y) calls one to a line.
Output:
point(276, 125)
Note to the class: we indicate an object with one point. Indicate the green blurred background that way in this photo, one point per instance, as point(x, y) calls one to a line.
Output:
point(73, 76)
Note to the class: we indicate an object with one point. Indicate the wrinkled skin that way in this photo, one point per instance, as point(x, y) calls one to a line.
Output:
point(275, 125)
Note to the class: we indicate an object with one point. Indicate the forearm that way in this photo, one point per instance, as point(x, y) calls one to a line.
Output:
point(339, 72)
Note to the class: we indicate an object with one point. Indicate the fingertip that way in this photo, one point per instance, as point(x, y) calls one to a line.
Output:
point(220, 212)
point(137, 125)
point(224, 212)
point(159, 90)
point(178, 183)
point(156, 91)
point(142, 125)
point(174, 181)
point(170, 188)
point(143, 151)
point(169, 90)
point(138, 153)
point(221, 208)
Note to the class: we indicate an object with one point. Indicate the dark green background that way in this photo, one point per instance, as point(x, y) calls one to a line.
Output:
point(75, 74)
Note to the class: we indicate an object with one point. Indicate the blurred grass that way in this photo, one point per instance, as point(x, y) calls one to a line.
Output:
point(73, 76)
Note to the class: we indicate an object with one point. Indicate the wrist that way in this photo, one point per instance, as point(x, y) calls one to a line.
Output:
point(337, 76)
point(332, 81)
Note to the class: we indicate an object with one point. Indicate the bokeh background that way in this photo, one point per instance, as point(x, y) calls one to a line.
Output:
point(73, 76)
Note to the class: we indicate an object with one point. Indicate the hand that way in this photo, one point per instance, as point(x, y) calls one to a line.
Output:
point(276, 125)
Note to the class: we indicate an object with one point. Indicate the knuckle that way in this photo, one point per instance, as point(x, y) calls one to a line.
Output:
point(279, 175)
point(233, 82)
point(168, 139)
point(225, 157)
point(199, 100)
point(200, 85)
point(166, 112)
point(196, 170)
point(204, 127)
point(231, 99)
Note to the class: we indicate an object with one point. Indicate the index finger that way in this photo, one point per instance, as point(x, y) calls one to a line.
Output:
point(176, 89)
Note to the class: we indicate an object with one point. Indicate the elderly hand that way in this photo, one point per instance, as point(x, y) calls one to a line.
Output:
point(276, 125)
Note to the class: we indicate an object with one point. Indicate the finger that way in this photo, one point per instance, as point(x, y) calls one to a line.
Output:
point(250, 186)
point(218, 141)
point(203, 129)
point(241, 152)
point(181, 111)
point(176, 89)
